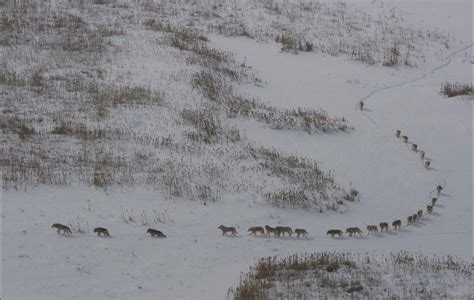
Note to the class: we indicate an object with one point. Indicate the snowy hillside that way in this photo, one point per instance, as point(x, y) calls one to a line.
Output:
point(186, 115)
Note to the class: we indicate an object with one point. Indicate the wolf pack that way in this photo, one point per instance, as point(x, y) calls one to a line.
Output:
point(278, 231)
point(286, 231)
point(414, 147)
point(101, 231)
point(282, 231)
point(397, 224)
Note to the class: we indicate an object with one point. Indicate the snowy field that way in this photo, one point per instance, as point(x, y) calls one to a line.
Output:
point(195, 261)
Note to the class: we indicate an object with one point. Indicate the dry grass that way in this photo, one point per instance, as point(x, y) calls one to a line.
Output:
point(216, 88)
point(11, 78)
point(207, 125)
point(152, 24)
point(53, 79)
point(103, 2)
point(271, 273)
point(331, 27)
point(79, 131)
point(294, 45)
point(304, 183)
point(392, 57)
point(212, 86)
point(309, 120)
point(15, 125)
point(352, 196)
point(111, 95)
point(456, 89)
point(88, 126)
point(327, 275)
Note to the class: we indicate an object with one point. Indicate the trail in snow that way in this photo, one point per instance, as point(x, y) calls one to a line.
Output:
point(408, 187)
point(450, 59)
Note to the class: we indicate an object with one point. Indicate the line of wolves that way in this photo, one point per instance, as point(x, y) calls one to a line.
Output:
point(351, 231)
point(276, 231)
point(413, 219)
point(397, 224)
point(415, 149)
point(279, 231)
point(101, 231)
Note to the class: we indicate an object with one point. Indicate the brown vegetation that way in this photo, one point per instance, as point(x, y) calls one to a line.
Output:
point(456, 89)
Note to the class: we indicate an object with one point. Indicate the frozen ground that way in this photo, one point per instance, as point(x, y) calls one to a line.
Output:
point(195, 261)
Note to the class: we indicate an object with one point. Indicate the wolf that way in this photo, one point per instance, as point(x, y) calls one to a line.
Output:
point(270, 230)
point(383, 227)
point(155, 233)
point(255, 230)
point(300, 232)
point(372, 229)
point(101, 231)
point(62, 228)
point(282, 230)
point(397, 224)
point(334, 232)
point(225, 229)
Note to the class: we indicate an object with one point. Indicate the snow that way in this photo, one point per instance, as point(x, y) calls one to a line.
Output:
point(195, 261)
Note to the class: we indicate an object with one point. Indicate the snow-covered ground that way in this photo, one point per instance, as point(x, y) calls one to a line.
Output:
point(195, 261)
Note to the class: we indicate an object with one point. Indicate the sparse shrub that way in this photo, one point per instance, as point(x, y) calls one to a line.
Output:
point(143, 218)
point(78, 131)
point(37, 78)
point(392, 56)
point(291, 44)
point(211, 85)
point(456, 89)
point(345, 275)
point(352, 195)
point(179, 179)
point(217, 90)
point(232, 27)
point(68, 42)
point(24, 131)
point(355, 288)
point(166, 141)
point(102, 2)
point(188, 40)
point(105, 165)
point(240, 106)
point(79, 226)
point(100, 179)
point(127, 215)
point(108, 31)
point(333, 267)
point(309, 120)
point(71, 23)
point(306, 185)
point(161, 217)
point(288, 43)
point(205, 192)
point(207, 125)
point(17, 126)
point(83, 43)
point(111, 95)
point(151, 24)
point(233, 135)
point(288, 198)
point(10, 78)
point(294, 272)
